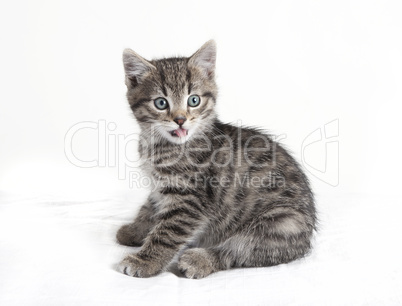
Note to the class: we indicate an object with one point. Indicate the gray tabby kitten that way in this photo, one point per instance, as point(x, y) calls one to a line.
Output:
point(223, 196)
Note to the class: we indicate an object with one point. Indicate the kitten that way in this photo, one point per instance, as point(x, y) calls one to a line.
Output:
point(223, 196)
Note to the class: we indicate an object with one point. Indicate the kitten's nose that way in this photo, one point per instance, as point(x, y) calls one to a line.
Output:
point(180, 120)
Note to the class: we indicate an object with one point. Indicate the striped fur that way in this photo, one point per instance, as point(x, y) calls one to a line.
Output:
point(223, 196)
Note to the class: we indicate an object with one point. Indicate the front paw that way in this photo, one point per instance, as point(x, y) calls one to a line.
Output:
point(135, 266)
point(196, 263)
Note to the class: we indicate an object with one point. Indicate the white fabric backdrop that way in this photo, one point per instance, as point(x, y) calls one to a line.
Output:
point(62, 251)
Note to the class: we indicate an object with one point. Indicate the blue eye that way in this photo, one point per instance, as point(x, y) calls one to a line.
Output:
point(161, 103)
point(194, 101)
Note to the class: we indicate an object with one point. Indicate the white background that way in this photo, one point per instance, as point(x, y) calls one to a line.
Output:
point(290, 67)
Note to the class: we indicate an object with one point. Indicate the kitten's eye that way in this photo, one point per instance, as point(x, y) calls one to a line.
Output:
point(194, 101)
point(161, 103)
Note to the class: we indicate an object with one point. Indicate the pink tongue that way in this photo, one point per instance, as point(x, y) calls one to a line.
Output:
point(181, 132)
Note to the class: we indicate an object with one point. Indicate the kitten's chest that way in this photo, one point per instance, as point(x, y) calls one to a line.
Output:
point(179, 175)
point(175, 163)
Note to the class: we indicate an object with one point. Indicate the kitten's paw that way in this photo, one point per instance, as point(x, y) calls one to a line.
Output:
point(132, 265)
point(129, 235)
point(196, 263)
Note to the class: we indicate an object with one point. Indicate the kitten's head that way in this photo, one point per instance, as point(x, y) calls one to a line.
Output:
point(173, 98)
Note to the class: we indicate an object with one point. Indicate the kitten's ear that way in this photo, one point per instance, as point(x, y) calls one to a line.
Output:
point(205, 58)
point(135, 67)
